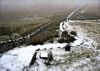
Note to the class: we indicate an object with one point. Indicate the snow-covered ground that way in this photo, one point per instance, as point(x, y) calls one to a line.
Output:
point(83, 56)
point(18, 58)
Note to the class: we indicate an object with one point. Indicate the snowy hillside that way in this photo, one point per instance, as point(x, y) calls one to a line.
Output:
point(83, 55)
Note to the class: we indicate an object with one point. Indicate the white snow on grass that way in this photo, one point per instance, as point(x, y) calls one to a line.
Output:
point(82, 38)
point(18, 58)
point(76, 42)
point(44, 54)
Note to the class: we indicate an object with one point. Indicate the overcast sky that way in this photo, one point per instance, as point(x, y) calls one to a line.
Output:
point(12, 5)
point(29, 3)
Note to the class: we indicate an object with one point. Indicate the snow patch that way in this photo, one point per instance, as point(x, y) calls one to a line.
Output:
point(76, 42)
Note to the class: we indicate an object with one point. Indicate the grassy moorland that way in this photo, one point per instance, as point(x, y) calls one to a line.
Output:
point(25, 22)
point(27, 25)
point(17, 27)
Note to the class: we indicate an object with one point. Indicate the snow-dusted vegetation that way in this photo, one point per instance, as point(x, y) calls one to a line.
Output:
point(82, 57)
point(47, 41)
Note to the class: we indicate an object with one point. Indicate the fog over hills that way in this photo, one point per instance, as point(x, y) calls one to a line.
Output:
point(15, 5)
point(25, 7)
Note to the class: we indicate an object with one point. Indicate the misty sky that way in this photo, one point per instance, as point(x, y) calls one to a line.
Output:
point(27, 4)
point(15, 4)
point(9, 7)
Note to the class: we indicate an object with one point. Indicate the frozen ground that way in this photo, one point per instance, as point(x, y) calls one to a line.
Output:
point(83, 57)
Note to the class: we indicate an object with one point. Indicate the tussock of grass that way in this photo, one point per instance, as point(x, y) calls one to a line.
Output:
point(98, 47)
point(65, 37)
point(42, 37)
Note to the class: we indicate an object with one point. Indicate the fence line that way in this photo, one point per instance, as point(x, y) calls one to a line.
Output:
point(10, 44)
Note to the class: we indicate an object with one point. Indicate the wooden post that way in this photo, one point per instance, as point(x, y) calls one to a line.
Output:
point(23, 37)
point(11, 40)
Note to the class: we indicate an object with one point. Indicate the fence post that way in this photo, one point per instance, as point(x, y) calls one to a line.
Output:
point(23, 38)
point(11, 40)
